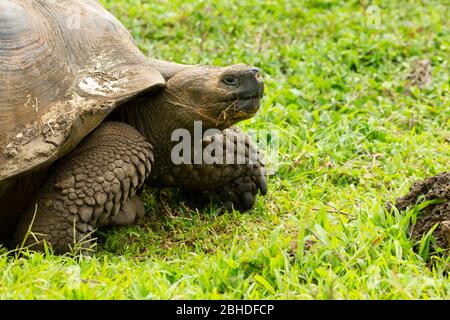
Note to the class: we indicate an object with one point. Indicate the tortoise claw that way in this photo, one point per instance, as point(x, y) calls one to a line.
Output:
point(261, 184)
point(240, 193)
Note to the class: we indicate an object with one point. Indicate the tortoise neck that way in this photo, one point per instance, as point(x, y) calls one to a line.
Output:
point(156, 119)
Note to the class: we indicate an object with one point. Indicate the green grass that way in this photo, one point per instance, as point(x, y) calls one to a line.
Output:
point(351, 141)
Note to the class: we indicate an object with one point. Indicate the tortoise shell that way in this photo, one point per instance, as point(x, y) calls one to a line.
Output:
point(64, 66)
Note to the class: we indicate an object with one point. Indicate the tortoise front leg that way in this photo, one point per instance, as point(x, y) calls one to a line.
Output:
point(234, 183)
point(95, 185)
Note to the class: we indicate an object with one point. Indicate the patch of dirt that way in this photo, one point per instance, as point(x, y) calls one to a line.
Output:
point(433, 188)
point(420, 74)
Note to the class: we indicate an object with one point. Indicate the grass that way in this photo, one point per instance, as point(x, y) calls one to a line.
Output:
point(351, 140)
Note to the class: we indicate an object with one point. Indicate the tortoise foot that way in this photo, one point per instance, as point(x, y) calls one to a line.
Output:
point(93, 186)
point(131, 211)
point(240, 193)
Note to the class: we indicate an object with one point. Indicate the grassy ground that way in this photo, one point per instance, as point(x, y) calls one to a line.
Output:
point(351, 140)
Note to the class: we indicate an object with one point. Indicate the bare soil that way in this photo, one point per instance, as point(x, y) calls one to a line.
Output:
point(433, 188)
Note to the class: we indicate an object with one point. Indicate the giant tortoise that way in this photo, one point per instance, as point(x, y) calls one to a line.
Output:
point(86, 119)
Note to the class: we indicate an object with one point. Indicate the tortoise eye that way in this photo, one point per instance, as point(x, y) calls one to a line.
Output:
point(231, 80)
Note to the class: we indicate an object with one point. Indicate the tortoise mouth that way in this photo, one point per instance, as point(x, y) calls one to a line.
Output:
point(244, 106)
point(248, 105)
point(240, 108)
point(256, 97)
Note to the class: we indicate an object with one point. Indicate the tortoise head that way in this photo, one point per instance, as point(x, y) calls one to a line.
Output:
point(217, 96)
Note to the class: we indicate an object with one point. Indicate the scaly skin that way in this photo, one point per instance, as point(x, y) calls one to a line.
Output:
point(93, 186)
point(235, 184)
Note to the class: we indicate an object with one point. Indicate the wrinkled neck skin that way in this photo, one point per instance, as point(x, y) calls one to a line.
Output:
point(156, 118)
